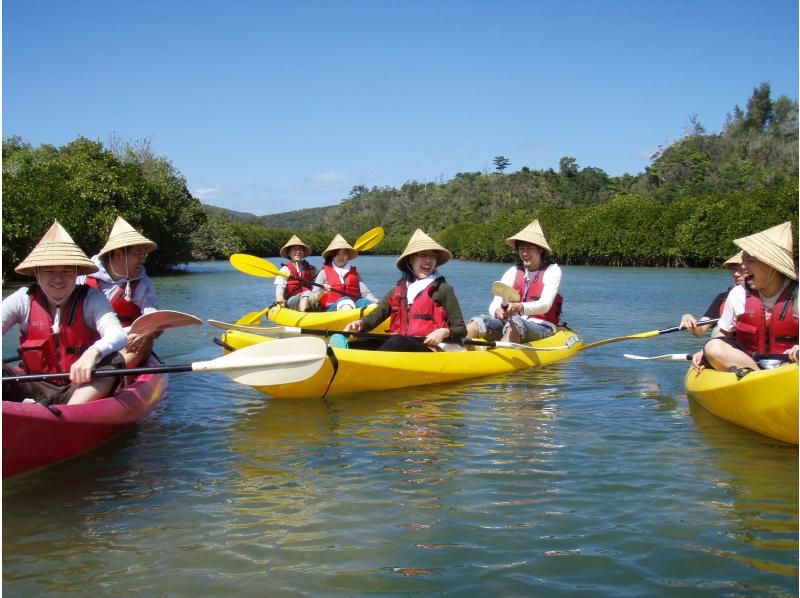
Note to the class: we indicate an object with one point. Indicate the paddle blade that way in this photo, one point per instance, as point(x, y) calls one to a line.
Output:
point(255, 266)
point(157, 321)
point(271, 362)
point(369, 239)
point(505, 292)
point(254, 317)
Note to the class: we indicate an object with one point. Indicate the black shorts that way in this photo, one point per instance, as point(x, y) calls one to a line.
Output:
point(54, 394)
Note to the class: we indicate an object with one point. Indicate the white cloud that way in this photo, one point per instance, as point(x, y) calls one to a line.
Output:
point(205, 192)
point(331, 176)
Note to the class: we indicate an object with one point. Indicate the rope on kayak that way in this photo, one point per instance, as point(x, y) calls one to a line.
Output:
point(335, 364)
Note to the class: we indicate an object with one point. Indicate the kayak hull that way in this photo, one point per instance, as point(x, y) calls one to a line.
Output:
point(764, 401)
point(34, 436)
point(355, 370)
point(320, 320)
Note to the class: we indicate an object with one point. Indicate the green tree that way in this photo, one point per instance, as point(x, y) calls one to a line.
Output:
point(501, 163)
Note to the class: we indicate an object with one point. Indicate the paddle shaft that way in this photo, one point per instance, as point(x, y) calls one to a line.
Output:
point(650, 334)
point(162, 369)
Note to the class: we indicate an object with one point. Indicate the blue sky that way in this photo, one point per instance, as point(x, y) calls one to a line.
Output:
point(269, 106)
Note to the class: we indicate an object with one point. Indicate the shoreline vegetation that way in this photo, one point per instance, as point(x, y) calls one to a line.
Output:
point(685, 209)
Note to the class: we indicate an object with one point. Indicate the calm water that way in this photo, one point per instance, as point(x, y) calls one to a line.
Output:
point(592, 477)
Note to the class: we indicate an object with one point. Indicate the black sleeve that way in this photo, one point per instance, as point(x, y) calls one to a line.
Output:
point(713, 309)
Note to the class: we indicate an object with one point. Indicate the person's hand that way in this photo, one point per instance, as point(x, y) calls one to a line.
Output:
point(280, 302)
point(355, 326)
point(793, 353)
point(688, 322)
point(437, 337)
point(136, 342)
point(327, 286)
point(81, 370)
point(697, 361)
point(374, 300)
point(500, 313)
point(514, 309)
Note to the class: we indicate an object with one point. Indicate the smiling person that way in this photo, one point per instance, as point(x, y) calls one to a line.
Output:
point(289, 291)
point(122, 278)
point(537, 280)
point(338, 274)
point(760, 315)
point(422, 304)
point(715, 309)
point(64, 327)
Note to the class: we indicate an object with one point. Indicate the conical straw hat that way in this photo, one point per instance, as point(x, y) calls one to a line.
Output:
point(56, 248)
point(530, 234)
point(772, 247)
point(421, 242)
point(733, 263)
point(124, 235)
point(295, 240)
point(338, 243)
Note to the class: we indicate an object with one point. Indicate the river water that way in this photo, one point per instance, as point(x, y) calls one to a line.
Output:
point(596, 476)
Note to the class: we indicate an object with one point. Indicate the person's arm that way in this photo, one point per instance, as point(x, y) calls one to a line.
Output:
point(280, 285)
point(15, 308)
point(364, 291)
point(99, 315)
point(455, 318)
point(145, 295)
point(496, 304)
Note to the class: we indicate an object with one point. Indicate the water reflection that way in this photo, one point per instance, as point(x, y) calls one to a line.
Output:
point(760, 476)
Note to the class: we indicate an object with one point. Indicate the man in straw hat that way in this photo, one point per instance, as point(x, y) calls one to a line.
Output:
point(537, 279)
point(422, 304)
point(64, 327)
point(342, 287)
point(714, 310)
point(761, 315)
point(122, 278)
point(290, 290)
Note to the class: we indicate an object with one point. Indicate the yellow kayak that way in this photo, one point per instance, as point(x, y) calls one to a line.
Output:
point(320, 320)
point(764, 401)
point(358, 370)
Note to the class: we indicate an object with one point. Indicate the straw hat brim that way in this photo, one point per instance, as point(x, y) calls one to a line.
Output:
point(294, 241)
point(769, 253)
point(528, 237)
point(56, 254)
point(127, 239)
point(442, 255)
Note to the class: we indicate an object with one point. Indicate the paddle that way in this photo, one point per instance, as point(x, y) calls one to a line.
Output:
point(688, 357)
point(365, 242)
point(506, 293)
point(650, 334)
point(293, 330)
point(158, 321)
point(263, 364)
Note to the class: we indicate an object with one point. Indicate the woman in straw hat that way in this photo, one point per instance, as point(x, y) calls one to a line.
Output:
point(696, 327)
point(537, 280)
point(422, 304)
point(64, 327)
point(760, 315)
point(342, 287)
point(122, 278)
point(289, 289)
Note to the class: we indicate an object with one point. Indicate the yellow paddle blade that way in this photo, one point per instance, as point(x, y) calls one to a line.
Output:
point(254, 317)
point(255, 266)
point(369, 239)
point(505, 292)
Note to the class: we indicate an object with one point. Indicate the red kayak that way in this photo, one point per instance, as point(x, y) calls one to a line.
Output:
point(35, 436)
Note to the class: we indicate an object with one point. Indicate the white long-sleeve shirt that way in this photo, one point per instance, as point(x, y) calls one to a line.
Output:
point(144, 295)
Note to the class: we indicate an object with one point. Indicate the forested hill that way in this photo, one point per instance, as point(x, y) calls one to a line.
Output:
point(697, 195)
point(685, 208)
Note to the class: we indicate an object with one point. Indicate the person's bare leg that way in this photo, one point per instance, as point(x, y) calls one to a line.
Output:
point(723, 357)
point(96, 389)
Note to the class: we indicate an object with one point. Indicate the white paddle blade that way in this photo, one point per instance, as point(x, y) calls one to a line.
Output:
point(505, 292)
point(273, 362)
point(265, 330)
point(157, 321)
point(667, 357)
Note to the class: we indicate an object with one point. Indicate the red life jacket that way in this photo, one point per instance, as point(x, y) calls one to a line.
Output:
point(423, 317)
point(773, 334)
point(127, 311)
point(535, 292)
point(350, 286)
point(46, 353)
point(294, 286)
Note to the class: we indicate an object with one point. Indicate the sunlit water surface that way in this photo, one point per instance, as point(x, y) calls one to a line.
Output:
point(592, 477)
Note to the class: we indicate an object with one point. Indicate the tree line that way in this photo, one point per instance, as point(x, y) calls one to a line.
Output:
point(695, 197)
